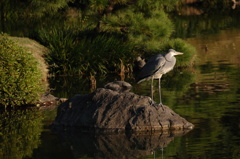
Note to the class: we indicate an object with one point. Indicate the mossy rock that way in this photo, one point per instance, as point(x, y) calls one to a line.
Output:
point(23, 77)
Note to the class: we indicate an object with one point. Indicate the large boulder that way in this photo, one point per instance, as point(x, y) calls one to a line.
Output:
point(116, 109)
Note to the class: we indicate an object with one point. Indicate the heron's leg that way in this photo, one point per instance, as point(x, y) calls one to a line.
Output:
point(162, 152)
point(152, 87)
point(159, 90)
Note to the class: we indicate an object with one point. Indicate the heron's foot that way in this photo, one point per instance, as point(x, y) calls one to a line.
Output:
point(161, 105)
point(152, 103)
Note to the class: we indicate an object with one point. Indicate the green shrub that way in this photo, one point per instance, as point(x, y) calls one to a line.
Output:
point(20, 82)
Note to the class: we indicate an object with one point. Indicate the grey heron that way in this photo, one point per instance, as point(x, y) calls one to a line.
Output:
point(157, 66)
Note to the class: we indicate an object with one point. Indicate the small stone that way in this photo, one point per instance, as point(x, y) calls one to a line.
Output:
point(119, 86)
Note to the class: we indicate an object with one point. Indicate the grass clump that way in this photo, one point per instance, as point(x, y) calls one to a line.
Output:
point(21, 79)
point(71, 54)
point(63, 55)
point(104, 54)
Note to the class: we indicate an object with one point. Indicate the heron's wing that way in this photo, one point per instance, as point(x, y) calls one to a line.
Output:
point(151, 67)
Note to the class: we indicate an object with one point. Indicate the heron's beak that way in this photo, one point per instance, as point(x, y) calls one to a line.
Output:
point(178, 53)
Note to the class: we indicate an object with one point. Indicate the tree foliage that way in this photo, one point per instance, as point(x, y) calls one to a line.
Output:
point(126, 28)
point(106, 33)
point(31, 8)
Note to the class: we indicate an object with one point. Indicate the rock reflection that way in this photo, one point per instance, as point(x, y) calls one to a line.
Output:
point(117, 145)
point(188, 10)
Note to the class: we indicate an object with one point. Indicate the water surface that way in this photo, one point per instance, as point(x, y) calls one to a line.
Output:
point(207, 94)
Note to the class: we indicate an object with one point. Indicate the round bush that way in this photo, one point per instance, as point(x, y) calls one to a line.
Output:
point(20, 82)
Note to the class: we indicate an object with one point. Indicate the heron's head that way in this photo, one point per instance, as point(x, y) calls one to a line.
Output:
point(173, 52)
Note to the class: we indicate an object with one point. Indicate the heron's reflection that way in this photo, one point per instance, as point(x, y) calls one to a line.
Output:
point(117, 145)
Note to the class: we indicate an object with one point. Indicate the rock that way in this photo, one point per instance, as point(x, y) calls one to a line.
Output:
point(119, 86)
point(49, 102)
point(139, 62)
point(115, 110)
point(138, 65)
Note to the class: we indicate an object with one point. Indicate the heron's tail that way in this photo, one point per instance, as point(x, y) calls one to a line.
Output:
point(142, 79)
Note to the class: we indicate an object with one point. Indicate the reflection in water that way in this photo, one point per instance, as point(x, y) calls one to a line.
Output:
point(116, 145)
point(188, 10)
point(221, 47)
point(214, 78)
point(20, 132)
point(212, 102)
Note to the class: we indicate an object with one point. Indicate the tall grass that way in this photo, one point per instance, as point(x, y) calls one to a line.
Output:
point(90, 55)
point(104, 53)
point(62, 46)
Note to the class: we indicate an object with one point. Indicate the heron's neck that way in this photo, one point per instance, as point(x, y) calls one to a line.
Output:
point(169, 57)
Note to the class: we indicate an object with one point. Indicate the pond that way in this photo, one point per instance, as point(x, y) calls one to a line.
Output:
point(209, 98)
point(206, 94)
